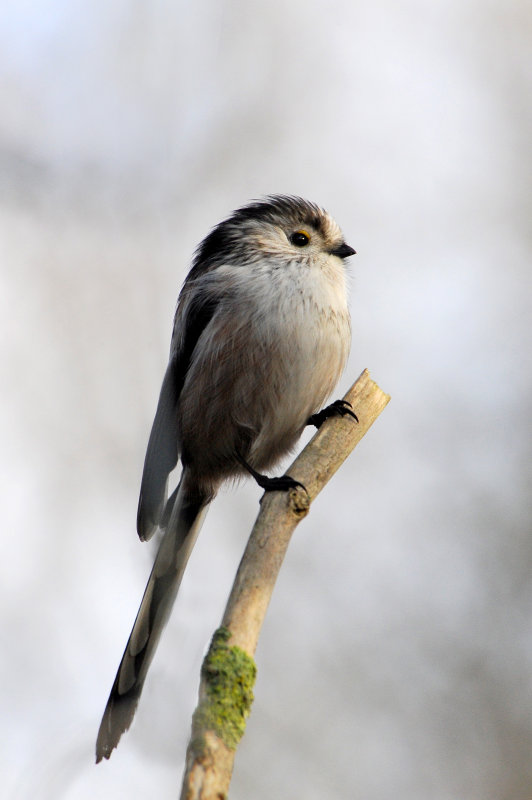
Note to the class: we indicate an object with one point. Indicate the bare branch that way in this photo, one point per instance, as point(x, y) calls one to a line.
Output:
point(228, 671)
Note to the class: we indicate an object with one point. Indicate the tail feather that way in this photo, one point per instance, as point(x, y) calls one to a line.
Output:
point(181, 532)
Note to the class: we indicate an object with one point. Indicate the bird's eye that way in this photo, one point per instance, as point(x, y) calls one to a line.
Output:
point(300, 238)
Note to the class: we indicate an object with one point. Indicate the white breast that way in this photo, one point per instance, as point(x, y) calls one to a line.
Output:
point(304, 323)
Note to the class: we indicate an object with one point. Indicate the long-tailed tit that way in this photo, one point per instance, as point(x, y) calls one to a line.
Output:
point(261, 335)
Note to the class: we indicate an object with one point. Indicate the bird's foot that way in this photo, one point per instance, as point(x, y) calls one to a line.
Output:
point(340, 408)
point(281, 484)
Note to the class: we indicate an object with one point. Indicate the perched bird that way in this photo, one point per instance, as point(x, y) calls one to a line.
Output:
point(261, 335)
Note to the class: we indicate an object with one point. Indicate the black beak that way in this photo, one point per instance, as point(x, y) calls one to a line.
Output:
point(343, 251)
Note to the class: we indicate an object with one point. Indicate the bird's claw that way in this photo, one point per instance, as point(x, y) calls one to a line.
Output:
point(339, 408)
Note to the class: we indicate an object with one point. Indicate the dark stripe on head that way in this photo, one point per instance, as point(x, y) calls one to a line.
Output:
point(223, 240)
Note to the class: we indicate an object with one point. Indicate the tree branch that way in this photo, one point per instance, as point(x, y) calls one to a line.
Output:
point(228, 671)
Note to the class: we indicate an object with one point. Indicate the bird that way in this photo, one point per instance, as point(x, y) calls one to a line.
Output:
point(261, 335)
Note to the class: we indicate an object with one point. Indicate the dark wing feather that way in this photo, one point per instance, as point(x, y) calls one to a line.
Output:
point(163, 446)
point(161, 454)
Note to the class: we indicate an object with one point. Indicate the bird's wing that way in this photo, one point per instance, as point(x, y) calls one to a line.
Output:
point(194, 312)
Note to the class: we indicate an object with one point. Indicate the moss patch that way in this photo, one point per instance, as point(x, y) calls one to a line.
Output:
point(228, 674)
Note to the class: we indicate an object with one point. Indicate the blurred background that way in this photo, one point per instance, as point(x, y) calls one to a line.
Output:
point(397, 653)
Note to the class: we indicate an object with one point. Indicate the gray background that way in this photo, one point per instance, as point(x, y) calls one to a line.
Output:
point(396, 657)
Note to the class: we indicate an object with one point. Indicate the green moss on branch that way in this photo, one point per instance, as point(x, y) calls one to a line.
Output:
point(228, 675)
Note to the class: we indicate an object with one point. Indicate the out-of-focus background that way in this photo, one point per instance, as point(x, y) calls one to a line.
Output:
point(396, 657)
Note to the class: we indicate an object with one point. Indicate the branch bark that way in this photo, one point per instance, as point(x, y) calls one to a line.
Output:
point(228, 671)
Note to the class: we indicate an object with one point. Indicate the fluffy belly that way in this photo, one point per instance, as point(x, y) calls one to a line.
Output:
point(254, 396)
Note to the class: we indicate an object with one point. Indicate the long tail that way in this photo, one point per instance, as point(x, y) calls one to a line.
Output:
point(181, 532)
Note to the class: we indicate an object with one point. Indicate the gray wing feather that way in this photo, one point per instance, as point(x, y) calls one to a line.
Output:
point(161, 455)
point(194, 313)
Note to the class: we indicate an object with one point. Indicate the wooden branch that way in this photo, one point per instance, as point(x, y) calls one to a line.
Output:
point(228, 671)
